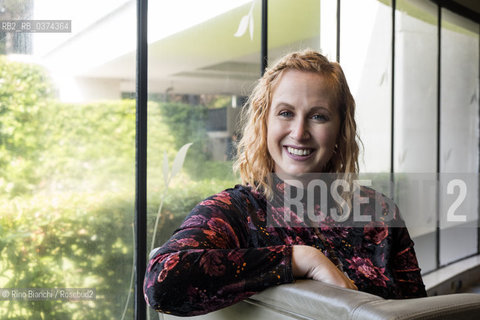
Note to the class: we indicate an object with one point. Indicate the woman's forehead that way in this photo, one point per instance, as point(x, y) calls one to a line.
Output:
point(294, 82)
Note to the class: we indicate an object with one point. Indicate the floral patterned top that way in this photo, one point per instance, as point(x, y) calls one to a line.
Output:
point(225, 251)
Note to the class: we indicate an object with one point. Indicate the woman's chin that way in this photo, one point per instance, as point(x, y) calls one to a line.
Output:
point(293, 174)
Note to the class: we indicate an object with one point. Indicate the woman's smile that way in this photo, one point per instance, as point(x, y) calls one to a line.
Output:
point(299, 153)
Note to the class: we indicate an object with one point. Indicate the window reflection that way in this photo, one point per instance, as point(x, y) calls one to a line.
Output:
point(459, 126)
point(293, 27)
point(365, 56)
point(67, 124)
point(201, 70)
point(415, 153)
point(66, 158)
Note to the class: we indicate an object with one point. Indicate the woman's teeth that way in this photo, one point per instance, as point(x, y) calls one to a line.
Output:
point(299, 152)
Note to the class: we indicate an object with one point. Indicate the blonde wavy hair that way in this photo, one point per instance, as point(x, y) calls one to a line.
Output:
point(254, 162)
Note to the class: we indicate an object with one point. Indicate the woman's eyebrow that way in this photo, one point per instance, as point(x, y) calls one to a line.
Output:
point(320, 108)
point(281, 104)
point(316, 108)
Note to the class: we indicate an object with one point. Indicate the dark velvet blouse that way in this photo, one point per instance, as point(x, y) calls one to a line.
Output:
point(228, 249)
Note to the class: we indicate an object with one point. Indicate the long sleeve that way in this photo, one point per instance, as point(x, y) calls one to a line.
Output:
point(210, 262)
point(405, 266)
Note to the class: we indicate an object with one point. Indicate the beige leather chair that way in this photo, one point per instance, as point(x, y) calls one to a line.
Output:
point(307, 299)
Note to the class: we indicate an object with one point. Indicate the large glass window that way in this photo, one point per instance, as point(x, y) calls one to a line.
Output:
point(328, 28)
point(67, 128)
point(459, 135)
point(201, 69)
point(365, 55)
point(415, 133)
point(67, 160)
point(292, 27)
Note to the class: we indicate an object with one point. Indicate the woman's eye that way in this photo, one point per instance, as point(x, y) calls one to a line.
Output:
point(319, 117)
point(286, 114)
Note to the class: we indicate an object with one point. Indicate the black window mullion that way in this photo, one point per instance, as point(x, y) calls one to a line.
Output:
point(437, 200)
point(141, 159)
point(478, 179)
point(264, 39)
point(392, 106)
point(338, 31)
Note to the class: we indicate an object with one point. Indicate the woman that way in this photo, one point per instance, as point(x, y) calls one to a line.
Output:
point(238, 242)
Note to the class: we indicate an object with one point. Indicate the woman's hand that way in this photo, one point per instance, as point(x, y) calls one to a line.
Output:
point(311, 263)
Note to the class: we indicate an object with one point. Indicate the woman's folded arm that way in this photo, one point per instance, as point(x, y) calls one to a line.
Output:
point(208, 264)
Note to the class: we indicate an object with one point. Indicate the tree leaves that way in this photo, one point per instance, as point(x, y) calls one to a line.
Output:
point(24, 92)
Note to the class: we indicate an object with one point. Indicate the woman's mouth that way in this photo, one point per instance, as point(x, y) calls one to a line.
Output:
point(299, 153)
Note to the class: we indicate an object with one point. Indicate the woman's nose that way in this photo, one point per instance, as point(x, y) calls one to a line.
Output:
point(299, 130)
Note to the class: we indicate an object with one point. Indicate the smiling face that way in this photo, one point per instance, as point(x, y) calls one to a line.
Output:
point(302, 124)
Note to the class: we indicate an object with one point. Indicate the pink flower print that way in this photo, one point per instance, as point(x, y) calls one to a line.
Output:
point(158, 259)
point(223, 231)
point(169, 264)
point(327, 224)
point(194, 221)
point(186, 242)
point(276, 249)
point(285, 217)
point(365, 268)
point(216, 239)
point(208, 202)
point(318, 213)
point(376, 231)
point(212, 263)
point(223, 197)
point(236, 257)
point(288, 240)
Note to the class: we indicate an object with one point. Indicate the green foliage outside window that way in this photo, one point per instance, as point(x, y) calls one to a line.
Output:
point(25, 91)
point(67, 191)
point(187, 124)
